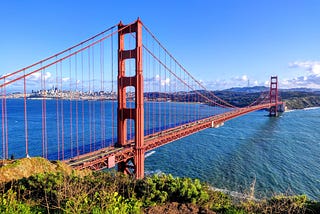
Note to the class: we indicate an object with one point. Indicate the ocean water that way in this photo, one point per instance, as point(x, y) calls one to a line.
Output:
point(75, 127)
point(281, 154)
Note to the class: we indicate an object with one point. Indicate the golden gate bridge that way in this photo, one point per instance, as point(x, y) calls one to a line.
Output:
point(110, 99)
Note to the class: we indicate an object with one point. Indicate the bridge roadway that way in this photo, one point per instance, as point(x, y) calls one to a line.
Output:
point(109, 156)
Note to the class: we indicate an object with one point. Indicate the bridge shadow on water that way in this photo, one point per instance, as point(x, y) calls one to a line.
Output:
point(260, 153)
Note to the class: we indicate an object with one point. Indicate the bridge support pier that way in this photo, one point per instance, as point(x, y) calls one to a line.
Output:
point(136, 166)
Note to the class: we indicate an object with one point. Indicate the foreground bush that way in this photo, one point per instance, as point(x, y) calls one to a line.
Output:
point(105, 192)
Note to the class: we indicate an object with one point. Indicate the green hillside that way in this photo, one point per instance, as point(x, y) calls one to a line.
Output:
point(59, 189)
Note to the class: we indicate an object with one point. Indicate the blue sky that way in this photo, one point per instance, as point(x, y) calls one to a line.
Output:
point(224, 43)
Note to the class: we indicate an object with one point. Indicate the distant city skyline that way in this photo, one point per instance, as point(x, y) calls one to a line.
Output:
point(222, 43)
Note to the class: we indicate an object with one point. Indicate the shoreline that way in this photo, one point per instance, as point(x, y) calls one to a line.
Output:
point(113, 100)
point(303, 109)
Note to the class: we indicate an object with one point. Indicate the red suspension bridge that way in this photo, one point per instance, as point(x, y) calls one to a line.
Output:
point(108, 100)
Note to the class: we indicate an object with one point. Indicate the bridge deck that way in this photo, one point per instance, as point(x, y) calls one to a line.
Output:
point(108, 157)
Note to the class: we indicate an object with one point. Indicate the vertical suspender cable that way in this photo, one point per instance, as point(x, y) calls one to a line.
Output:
point(57, 111)
point(175, 95)
point(170, 92)
point(154, 124)
point(113, 120)
point(2, 124)
point(45, 118)
point(102, 138)
point(6, 122)
point(93, 103)
point(25, 113)
point(82, 104)
point(62, 114)
point(165, 93)
point(185, 101)
point(89, 103)
point(169, 103)
point(77, 102)
point(70, 108)
point(159, 101)
point(42, 110)
point(146, 88)
point(188, 102)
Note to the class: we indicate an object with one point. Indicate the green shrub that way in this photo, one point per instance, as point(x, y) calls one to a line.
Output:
point(287, 204)
point(160, 189)
point(219, 201)
point(116, 204)
point(9, 204)
point(280, 204)
point(115, 193)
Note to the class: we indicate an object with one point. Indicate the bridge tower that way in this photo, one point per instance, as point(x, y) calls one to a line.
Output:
point(136, 164)
point(273, 111)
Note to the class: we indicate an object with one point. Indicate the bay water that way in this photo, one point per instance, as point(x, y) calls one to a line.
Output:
point(279, 155)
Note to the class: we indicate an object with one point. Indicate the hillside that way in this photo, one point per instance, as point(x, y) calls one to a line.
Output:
point(293, 99)
point(303, 102)
point(23, 168)
point(39, 186)
point(240, 97)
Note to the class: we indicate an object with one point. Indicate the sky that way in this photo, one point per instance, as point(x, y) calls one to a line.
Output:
point(223, 43)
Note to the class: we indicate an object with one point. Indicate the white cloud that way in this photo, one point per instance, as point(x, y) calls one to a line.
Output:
point(239, 81)
point(38, 76)
point(65, 79)
point(243, 78)
point(165, 82)
point(309, 75)
point(158, 80)
point(313, 67)
point(47, 75)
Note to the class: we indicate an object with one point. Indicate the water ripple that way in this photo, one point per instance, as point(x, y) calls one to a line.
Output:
point(282, 153)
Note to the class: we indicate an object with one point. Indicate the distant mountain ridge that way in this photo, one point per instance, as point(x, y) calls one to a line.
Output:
point(302, 89)
point(295, 98)
point(255, 89)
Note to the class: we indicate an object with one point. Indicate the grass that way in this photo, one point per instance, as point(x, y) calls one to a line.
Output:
point(25, 167)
